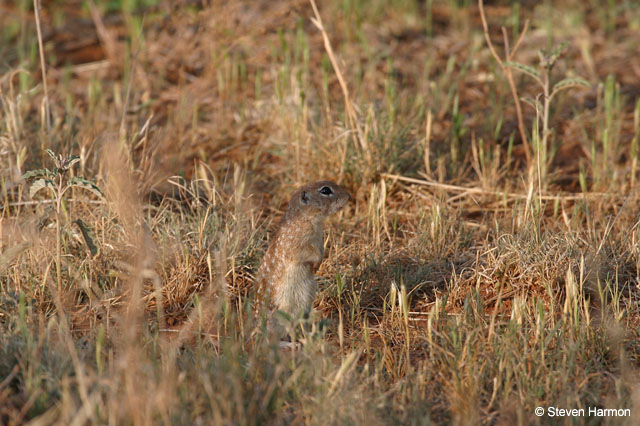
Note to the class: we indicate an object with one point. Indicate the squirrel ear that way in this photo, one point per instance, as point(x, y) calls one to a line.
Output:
point(304, 198)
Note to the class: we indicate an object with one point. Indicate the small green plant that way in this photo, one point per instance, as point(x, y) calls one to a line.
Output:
point(542, 75)
point(541, 131)
point(59, 183)
point(610, 109)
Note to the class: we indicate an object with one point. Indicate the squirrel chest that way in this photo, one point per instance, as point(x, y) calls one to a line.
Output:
point(299, 250)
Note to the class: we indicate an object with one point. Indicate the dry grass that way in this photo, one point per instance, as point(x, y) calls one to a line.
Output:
point(472, 279)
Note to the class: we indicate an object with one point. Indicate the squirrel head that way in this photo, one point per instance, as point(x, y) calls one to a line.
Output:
point(317, 200)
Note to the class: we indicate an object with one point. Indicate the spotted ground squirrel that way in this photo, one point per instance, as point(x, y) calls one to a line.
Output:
point(286, 276)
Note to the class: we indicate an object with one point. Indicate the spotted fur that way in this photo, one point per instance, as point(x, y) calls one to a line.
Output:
point(287, 274)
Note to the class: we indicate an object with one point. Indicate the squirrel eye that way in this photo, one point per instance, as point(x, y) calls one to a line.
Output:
point(325, 190)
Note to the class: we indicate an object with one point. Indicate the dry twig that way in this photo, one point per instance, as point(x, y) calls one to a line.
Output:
point(105, 37)
point(507, 72)
point(509, 195)
point(47, 108)
point(351, 113)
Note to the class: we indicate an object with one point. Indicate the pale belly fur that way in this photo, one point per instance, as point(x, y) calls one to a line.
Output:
point(295, 296)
